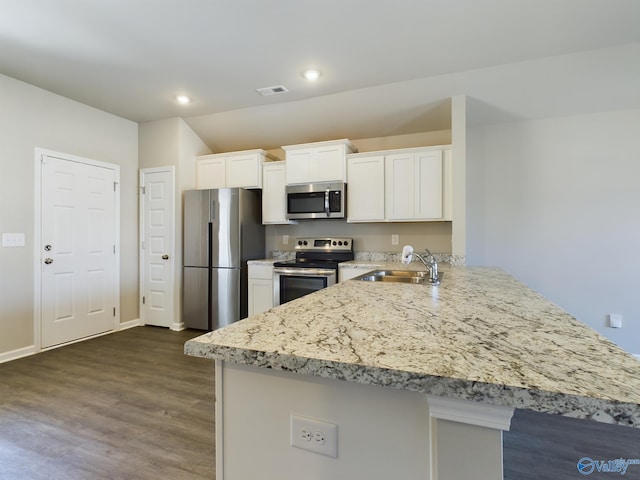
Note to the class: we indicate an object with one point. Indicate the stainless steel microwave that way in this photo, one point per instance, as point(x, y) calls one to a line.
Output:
point(316, 200)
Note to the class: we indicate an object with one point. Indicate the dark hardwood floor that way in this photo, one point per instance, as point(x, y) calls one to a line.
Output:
point(548, 447)
point(131, 405)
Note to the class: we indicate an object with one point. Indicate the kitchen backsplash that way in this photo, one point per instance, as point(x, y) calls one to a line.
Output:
point(378, 257)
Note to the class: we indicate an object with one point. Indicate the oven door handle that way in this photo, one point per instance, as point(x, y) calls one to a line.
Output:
point(305, 272)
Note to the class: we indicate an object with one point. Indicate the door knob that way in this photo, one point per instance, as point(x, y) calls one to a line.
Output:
point(48, 260)
point(165, 257)
point(47, 248)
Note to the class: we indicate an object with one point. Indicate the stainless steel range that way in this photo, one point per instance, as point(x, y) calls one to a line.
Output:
point(315, 267)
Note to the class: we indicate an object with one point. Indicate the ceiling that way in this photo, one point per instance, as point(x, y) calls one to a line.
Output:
point(387, 66)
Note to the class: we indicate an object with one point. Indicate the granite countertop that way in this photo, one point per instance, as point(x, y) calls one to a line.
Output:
point(481, 335)
point(262, 261)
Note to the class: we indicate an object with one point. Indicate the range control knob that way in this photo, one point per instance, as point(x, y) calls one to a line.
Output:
point(334, 243)
point(346, 243)
point(299, 242)
point(304, 243)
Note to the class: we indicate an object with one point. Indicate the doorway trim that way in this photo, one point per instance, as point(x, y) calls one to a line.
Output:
point(37, 242)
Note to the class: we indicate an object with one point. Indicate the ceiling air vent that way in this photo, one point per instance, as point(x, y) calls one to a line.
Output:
point(272, 90)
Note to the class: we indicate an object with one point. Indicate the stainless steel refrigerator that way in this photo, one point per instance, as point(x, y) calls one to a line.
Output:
point(222, 230)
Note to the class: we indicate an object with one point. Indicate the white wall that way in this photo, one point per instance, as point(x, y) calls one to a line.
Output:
point(367, 237)
point(30, 118)
point(556, 203)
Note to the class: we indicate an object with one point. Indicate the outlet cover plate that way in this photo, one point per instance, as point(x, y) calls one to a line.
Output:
point(13, 239)
point(323, 438)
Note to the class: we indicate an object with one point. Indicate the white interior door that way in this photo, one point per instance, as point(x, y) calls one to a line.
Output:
point(79, 281)
point(157, 254)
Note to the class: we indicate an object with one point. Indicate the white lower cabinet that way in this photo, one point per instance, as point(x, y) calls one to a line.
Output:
point(260, 288)
point(347, 273)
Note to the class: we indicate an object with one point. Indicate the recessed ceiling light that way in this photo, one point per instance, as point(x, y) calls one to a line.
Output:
point(311, 74)
point(183, 99)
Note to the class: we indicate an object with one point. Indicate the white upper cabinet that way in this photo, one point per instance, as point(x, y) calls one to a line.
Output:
point(317, 162)
point(365, 191)
point(233, 169)
point(211, 172)
point(274, 206)
point(404, 185)
point(413, 184)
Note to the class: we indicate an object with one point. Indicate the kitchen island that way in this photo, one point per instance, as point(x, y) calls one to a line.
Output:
point(416, 377)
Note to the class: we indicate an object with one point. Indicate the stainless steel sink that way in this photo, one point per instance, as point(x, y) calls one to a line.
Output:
point(399, 276)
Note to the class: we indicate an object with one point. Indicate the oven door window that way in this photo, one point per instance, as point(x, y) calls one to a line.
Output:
point(292, 287)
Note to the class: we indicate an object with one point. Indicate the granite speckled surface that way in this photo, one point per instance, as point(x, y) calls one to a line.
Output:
point(481, 335)
point(263, 261)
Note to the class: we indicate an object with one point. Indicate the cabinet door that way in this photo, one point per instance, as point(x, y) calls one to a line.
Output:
point(260, 295)
point(260, 288)
point(211, 173)
point(428, 185)
point(273, 194)
point(345, 274)
point(365, 192)
point(399, 186)
point(298, 164)
point(244, 171)
point(328, 164)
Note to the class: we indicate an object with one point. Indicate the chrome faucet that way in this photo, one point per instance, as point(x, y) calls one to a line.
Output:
point(429, 262)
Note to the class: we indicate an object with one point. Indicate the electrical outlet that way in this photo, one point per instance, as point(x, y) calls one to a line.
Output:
point(615, 320)
point(395, 239)
point(285, 239)
point(314, 435)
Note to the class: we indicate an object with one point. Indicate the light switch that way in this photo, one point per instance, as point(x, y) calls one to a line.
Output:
point(13, 239)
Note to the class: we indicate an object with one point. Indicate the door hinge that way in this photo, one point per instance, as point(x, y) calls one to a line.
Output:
point(143, 300)
point(114, 249)
point(114, 186)
point(144, 190)
point(114, 311)
point(142, 245)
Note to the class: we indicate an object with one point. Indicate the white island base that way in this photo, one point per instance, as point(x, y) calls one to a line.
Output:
point(383, 433)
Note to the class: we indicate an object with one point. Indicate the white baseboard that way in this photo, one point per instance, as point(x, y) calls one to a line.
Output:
point(18, 353)
point(130, 324)
point(177, 327)
point(31, 349)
